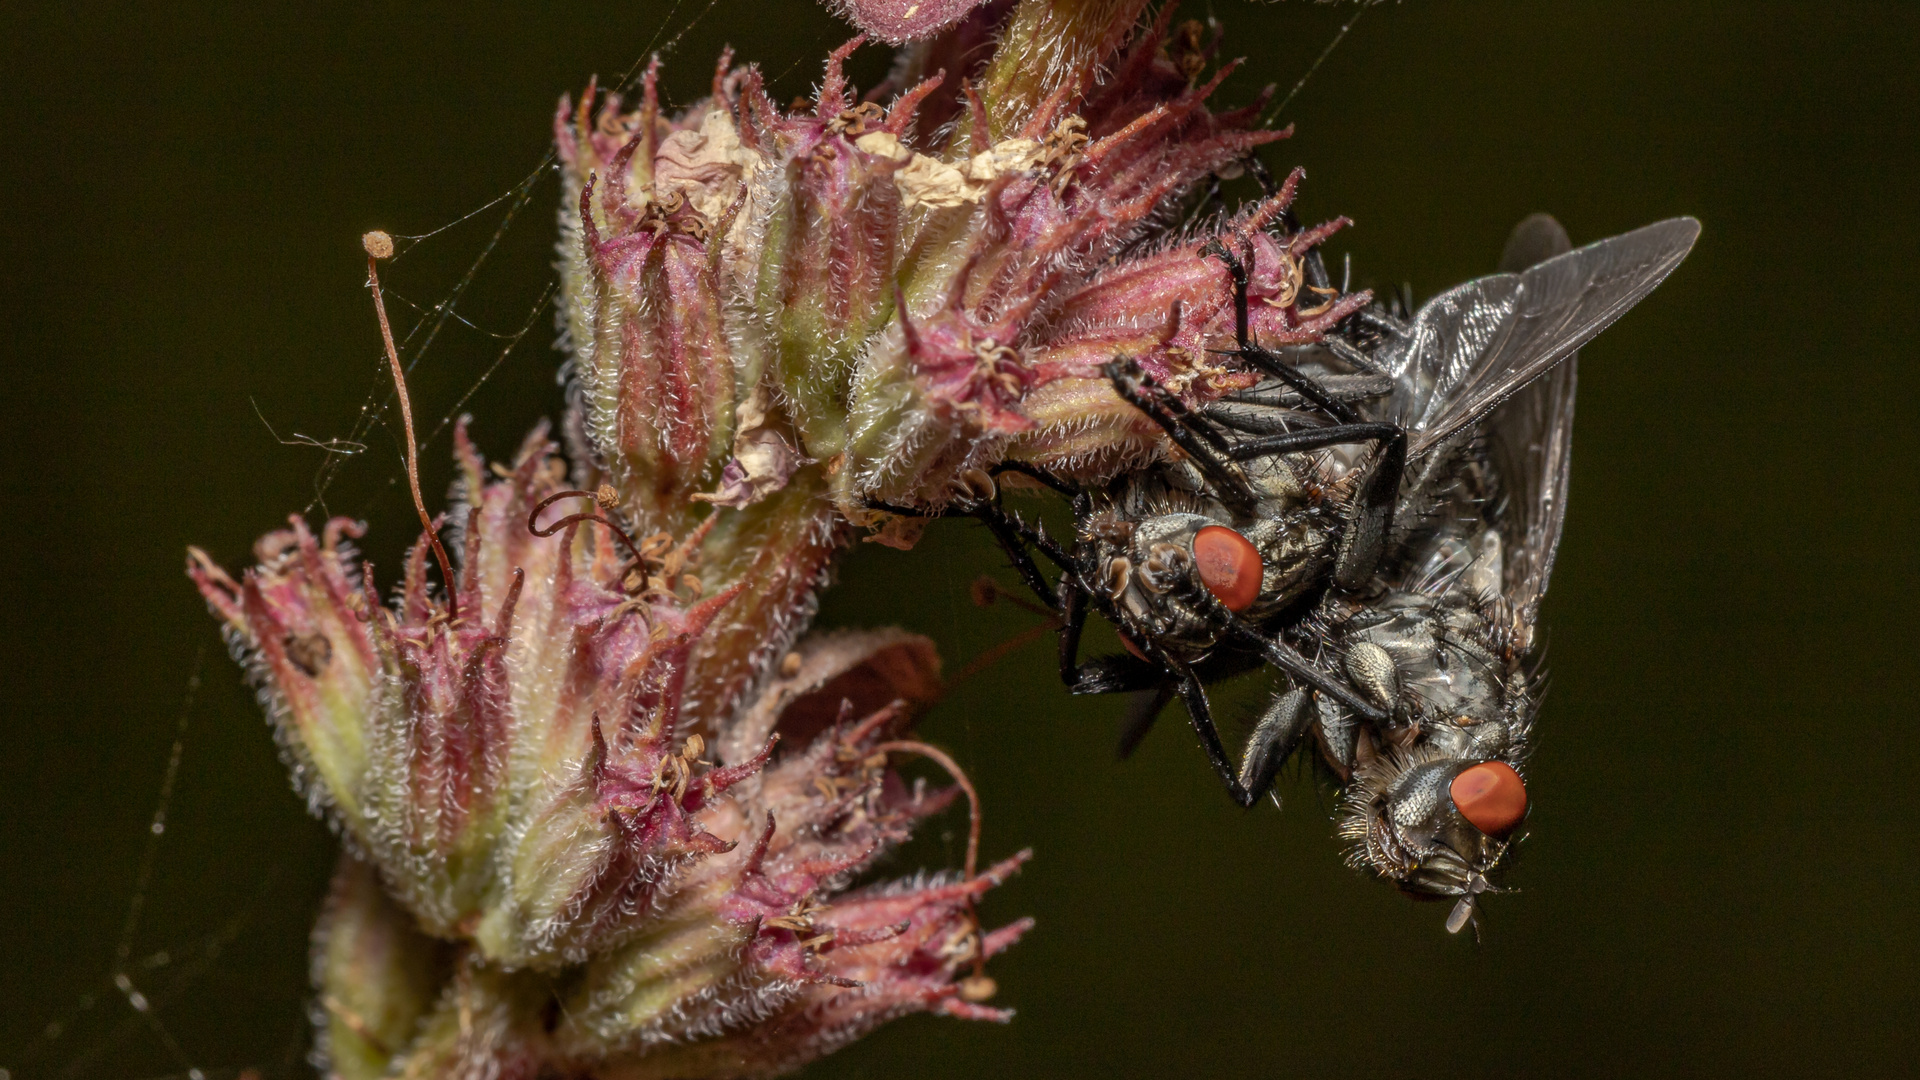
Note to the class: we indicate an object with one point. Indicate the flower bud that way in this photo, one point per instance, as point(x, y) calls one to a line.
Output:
point(603, 802)
point(374, 973)
point(534, 819)
point(763, 299)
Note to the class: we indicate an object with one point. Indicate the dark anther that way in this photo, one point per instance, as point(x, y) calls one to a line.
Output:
point(533, 520)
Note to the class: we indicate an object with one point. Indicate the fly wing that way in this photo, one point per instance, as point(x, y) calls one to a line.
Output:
point(1475, 345)
point(1530, 442)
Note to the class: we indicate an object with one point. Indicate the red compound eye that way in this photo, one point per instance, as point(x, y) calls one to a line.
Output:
point(1229, 566)
point(1491, 796)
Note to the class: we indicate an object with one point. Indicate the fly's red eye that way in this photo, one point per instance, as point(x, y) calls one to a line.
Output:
point(1229, 566)
point(1491, 796)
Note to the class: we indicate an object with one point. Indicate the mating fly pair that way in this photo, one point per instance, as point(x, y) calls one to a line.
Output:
point(1377, 520)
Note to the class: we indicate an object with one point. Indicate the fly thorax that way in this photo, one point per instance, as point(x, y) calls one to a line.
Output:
point(1465, 736)
point(1275, 481)
point(1295, 554)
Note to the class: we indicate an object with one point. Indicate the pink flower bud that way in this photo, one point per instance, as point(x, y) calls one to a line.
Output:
point(536, 818)
point(603, 802)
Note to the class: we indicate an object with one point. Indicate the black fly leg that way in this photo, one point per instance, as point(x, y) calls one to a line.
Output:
point(1370, 515)
point(1299, 669)
point(1073, 613)
point(1012, 534)
point(1320, 438)
point(1116, 674)
point(1260, 358)
point(1205, 446)
point(1195, 697)
point(1275, 738)
point(1013, 543)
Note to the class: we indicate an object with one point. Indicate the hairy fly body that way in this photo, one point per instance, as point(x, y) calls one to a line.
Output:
point(1376, 520)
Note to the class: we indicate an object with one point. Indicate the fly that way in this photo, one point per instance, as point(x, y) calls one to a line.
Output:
point(1376, 521)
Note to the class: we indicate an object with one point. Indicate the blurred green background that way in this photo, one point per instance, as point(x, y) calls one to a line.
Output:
point(1721, 877)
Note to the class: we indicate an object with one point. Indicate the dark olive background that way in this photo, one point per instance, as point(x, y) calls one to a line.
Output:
point(1721, 874)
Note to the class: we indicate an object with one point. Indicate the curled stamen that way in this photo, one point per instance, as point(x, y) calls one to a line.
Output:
point(380, 246)
point(939, 757)
point(981, 985)
point(533, 518)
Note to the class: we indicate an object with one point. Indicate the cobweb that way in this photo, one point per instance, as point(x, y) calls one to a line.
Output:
point(129, 1019)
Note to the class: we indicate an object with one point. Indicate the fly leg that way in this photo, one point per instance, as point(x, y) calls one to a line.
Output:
point(1369, 517)
point(1073, 611)
point(1116, 674)
point(1201, 715)
point(1370, 514)
point(1298, 668)
point(1294, 442)
point(1275, 738)
point(1306, 386)
point(1014, 537)
point(1206, 447)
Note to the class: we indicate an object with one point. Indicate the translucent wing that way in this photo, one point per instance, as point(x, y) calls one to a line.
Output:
point(1475, 345)
point(1530, 442)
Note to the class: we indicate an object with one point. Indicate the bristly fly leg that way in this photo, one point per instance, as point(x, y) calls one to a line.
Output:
point(1369, 516)
point(1116, 674)
point(1205, 446)
point(1275, 738)
point(1201, 715)
point(1245, 349)
point(1298, 668)
point(1012, 534)
point(1294, 442)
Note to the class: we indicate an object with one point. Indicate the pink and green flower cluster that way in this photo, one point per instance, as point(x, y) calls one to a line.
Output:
point(604, 801)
